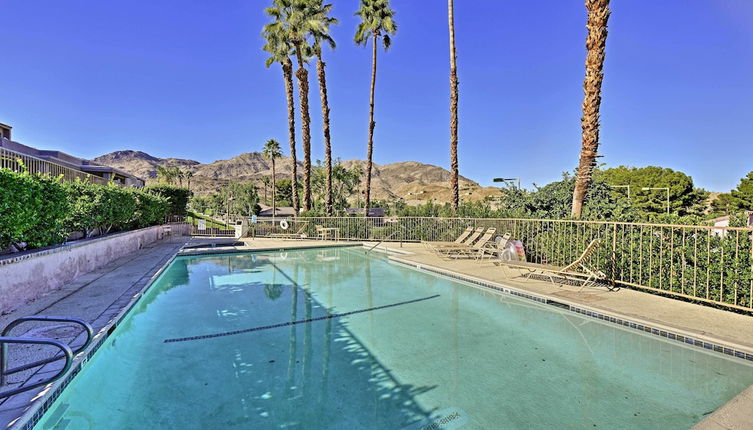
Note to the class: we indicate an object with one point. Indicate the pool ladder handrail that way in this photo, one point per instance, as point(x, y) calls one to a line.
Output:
point(67, 352)
point(387, 238)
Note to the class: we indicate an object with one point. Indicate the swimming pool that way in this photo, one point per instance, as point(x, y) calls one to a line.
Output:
point(336, 338)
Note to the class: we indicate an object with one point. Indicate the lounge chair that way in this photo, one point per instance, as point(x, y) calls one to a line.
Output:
point(499, 245)
point(469, 250)
point(467, 237)
point(588, 275)
point(300, 234)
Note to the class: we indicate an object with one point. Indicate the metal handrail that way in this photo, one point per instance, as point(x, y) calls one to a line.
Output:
point(39, 341)
point(387, 238)
point(4, 340)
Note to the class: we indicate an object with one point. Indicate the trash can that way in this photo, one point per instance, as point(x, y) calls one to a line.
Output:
point(241, 228)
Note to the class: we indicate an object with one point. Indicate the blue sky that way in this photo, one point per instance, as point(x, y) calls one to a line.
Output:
point(187, 79)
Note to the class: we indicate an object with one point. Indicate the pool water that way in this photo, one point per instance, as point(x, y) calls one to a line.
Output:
point(338, 339)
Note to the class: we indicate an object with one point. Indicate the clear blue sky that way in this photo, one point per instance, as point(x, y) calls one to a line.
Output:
point(186, 79)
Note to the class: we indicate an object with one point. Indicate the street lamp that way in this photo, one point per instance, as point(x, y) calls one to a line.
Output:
point(507, 180)
point(659, 188)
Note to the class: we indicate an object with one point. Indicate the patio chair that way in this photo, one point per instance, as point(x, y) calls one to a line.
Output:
point(469, 250)
point(496, 248)
point(468, 236)
point(588, 274)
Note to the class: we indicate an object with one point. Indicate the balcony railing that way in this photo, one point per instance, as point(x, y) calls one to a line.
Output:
point(9, 159)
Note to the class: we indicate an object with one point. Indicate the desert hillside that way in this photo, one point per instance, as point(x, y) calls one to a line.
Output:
point(415, 182)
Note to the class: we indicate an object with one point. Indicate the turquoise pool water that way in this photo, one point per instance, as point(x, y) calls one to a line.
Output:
point(375, 345)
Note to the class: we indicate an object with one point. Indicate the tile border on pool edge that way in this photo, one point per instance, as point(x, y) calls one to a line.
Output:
point(52, 391)
point(627, 323)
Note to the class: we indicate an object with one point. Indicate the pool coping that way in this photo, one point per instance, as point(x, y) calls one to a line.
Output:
point(735, 414)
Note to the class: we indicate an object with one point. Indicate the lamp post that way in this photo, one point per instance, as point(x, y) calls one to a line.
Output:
point(507, 180)
point(659, 188)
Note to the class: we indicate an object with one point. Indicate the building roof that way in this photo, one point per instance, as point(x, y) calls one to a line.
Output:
point(280, 211)
point(373, 212)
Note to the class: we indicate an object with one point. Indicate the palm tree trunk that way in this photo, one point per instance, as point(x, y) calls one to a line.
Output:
point(287, 71)
point(274, 183)
point(325, 127)
point(303, 95)
point(372, 124)
point(598, 14)
point(453, 111)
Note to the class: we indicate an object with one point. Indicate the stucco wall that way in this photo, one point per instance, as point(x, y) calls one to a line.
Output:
point(26, 277)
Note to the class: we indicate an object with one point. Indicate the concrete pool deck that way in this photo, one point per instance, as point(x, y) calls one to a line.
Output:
point(100, 296)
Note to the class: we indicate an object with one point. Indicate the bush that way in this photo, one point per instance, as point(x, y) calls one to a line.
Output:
point(151, 209)
point(32, 210)
point(38, 210)
point(176, 196)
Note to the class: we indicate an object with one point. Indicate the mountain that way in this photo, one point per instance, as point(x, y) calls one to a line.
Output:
point(412, 181)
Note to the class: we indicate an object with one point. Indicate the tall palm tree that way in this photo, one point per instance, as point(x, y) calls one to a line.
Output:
point(188, 175)
point(266, 182)
point(273, 152)
point(377, 21)
point(279, 47)
point(453, 110)
point(321, 36)
point(598, 15)
point(296, 19)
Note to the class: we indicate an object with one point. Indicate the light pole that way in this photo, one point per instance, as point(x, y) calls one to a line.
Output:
point(659, 188)
point(507, 180)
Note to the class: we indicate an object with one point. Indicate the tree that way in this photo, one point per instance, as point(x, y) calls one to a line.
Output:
point(453, 110)
point(684, 197)
point(295, 20)
point(165, 174)
point(598, 15)
point(245, 197)
point(320, 36)
point(272, 151)
point(267, 183)
point(376, 22)
point(344, 183)
point(188, 175)
point(279, 47)
point(743, 194)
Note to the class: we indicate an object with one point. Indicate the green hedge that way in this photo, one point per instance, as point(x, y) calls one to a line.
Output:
point(38, 210)
point(177, 196)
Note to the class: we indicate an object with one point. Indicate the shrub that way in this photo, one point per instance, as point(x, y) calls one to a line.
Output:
point(176, 196)
point(151, 209)
point(32, 209)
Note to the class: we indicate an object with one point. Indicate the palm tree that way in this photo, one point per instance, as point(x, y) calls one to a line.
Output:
point(376, 21)
point(598, 15)
point(164, 175)
point(321, 35)
point(272, 151)
point(266, 182)
point(297, 20)
point(453, 110)
point(188, 175)
point(279, 47)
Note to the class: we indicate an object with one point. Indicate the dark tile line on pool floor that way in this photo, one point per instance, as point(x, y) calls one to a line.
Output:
point(289, 323)
point(688, 340)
